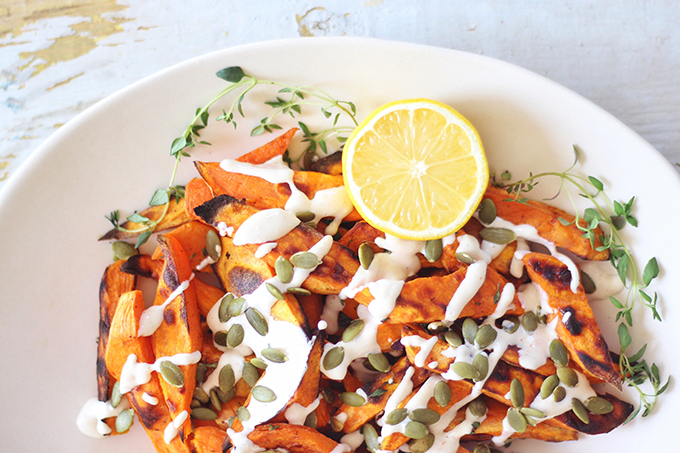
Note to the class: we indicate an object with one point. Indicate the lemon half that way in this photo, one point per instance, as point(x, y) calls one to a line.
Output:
point(415, 169)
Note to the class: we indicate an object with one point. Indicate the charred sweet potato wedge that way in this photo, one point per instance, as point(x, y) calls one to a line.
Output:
point(293, 438)
point(175, 216)
point(207, 439)
point(192, 237)
point(330, 165)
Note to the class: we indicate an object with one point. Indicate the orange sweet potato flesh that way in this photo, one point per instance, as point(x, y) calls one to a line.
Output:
point(174, 217)
point(293, 438)
point(577, 327)
point(191, 236)
point(143, 266)
point(308, 390)
point(196, 192)
point(270, 150)
point(207, 439)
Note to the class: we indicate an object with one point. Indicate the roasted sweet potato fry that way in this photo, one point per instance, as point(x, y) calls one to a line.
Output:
point(191, 236)
point(196, 192)
point(330, 165)
point(293, 438)
point(270, 150)
point(174, 217)
point(207, 439)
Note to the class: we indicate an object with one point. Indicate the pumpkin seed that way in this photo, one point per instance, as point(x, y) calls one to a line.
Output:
point(464, 370)
point(274, 355)
point(336, 425)
point(478, 408)
point(284, 270)
point(487, 211)
point(559, 353)
point(305, 260)
point(305, 216)
point(481, 364)
point(425, 416)
point(263, 394)
point(481, 448)
point(225, 397)
point(379, 362)
point(215, 400)
point(516, 393)
point(464, 258)
point(328, 395)
point(235, 336)
point(498, 235)
point(230, 421)
point(123, 250)
point(511, 324)
point(203, 413)
point(213, 245)
point(201, 371)
point(543, 319)
point(531, 412)
point(201, 395)
point(579, 410)
point(366, 255)
point(274, 291)
point(352, 399)
point(416, 430)
point(124, 420)
point(116, 396)
point(396, 416)
point(235, 308)
point(226, 379)
point(453, 338)
point(220, 337)
point(559, 394)
point(371, 438)
point(195, 403)
point(299, 291)
point(243, 414)
point(311, 420)
point(529, 321)
point(469, 330)
point(354, 328)
point(256, 320)
point(442, 394)
point(172, 374)
point(258, 363)
point(421, 445)
point(250, 374)
point(549, 385)
point(222, 312)
point(516, 420)
point(567, 376)
point(588, 283)
point(530, 420)
point(437, 327)
point(485, 336)
point(597, 405)
point(433, 249)
point(333, 358)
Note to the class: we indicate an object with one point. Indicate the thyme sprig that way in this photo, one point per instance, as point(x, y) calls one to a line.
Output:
point(289, 101)
point(603, 222)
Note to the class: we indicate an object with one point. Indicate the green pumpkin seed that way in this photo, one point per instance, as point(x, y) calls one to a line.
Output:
point(201, 371)
point(516, 420)
point(437, 327)
point(487, 211)
point(531, 412)
point(305, 260)
point(481, 364)
point(274, 291)
point(421, 445)
point(481, 448)
point(396, 416)
point(274, 355)
point(124, 420)
point(352, 399)
point(579, 410)
point(549, 385)
point(559, 353)
point(511, 324)
point(485, 336)
point(530, 321)
point(243, 414)
point(354, 328)
point(203, 413)
point(215, 400)
point(516, 393)
point(469, 330)
point(256, 320)
point(366, 255)
point(225, 397)
point(559, 394)
point(336, 425)
point(258, 363)
point(235, 307)
point(213, 245)
point(416, 430)
point(222, 312)
point(567, 376)
point(201, 395)
point(305, 216)
point(250, 374)
point(284, 270)
point(299, 291)
point(453, 338)
point(442, 394)
point(371, 438)
point(220, 337)
point(464, 370)
point(230, 421)
point(425, 416)
point(530, 420)
point(195, 403)
point(379, 362)
point(226, 379)
point(123, 250)
point(588, 283)
point(433, 250)
point(263, 394)
point(478, 408)
point(172, 374)
point(333, 358)
point(498, 235)
point(311, 420)
point(235, 336)
point(116, 396)
point(328, 395)
point(465, 258)
point(597, 405)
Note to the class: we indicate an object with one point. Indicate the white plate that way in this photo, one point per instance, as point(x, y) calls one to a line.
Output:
point(116, 154)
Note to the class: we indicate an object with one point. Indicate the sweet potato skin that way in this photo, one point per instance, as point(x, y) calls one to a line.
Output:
point(175, 216)
point(294, 438)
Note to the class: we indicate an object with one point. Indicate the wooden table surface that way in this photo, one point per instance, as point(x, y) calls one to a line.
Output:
point(59, 57)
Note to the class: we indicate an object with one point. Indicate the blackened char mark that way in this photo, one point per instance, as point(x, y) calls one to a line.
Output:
point(570, 321)
point(557, 275)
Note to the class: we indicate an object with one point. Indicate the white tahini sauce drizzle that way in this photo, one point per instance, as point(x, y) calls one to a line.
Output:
point(152, 317)
point(264, 249)
point(137, 373)
point(150, 399)
point(90, 418)
point(296, 414)
point(207, 261)
point(265, 226)
point(173, 427)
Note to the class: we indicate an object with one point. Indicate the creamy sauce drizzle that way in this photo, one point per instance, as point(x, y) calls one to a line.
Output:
point(152, 317)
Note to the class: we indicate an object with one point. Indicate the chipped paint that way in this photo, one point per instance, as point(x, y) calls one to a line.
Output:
point(320, 22)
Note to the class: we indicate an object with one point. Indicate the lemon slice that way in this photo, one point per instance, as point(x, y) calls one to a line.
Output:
point(415, 169)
